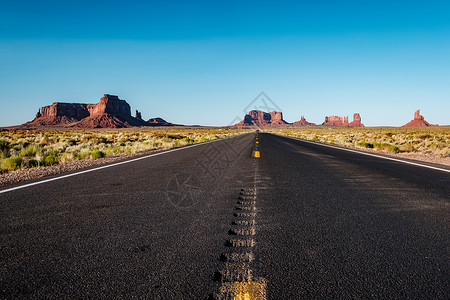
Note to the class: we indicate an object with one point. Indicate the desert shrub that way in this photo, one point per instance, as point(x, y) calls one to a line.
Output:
point(11, 163)
point(160, 136)
point(365, 145)
point(66, 158)
point(52, 152)
point(32, 163)
point(445, 152)
point(96, 154)
point(4, 148)
point(117, 149)
point(31, 150)
point(175, 136)
point(406, 148)
point(51, 160)
point(393, 149)
point(425, 136)
point(188, 140)
point(100, 140)
point(82, 155)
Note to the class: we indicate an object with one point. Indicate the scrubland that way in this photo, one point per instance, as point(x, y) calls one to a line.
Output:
point(23, 149)
point(431, 141)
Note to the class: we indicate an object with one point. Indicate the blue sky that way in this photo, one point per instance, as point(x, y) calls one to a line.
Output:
point(203, 62)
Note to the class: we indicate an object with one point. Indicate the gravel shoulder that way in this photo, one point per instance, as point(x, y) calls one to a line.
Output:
point(41, 172)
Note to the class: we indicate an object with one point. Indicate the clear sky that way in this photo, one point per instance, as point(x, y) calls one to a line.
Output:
point(203, 62)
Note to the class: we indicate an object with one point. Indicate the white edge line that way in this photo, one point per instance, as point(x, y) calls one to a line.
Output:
point(368, 154)
point(111, 165)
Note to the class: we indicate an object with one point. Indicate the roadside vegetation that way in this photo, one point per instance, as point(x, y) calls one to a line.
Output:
point(22, 149)
point(433, 141)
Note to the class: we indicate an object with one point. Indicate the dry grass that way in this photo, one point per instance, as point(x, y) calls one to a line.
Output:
point(20, 149)
point(432, 141)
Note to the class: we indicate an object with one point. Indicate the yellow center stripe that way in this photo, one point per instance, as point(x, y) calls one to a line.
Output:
point(245, 290)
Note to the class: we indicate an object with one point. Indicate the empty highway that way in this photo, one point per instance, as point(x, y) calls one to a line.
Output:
point(301, 221)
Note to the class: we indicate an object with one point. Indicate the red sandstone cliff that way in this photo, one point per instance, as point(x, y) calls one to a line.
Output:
point(343, 121)
point(262, 119)
point(418, 121)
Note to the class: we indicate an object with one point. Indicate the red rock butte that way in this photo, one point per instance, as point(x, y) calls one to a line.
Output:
point(110, 112)
point(262, 119)
point(275, 118)
point(343, 121)
point(303, 122)
point(418, 121)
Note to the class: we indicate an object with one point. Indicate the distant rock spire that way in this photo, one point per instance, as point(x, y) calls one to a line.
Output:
point(137, 115)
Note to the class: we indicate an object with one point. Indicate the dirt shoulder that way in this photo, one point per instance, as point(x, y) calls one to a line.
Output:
point(41, 172)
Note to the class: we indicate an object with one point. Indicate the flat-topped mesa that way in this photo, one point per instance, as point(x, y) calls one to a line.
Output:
point(418, 121)
point(60, 113)
point(110, 112)
point(262, 119)
point(303, 122)
point(335, 121)
point(343, 121)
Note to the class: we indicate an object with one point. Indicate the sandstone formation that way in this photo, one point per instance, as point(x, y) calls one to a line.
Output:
point(160, 122)
point(356, 121)
point(262, 119)
point(302, 122)
point(418, 121)
point(335, 121)
point(137, 114)
point(343, 121)
point(110, 112)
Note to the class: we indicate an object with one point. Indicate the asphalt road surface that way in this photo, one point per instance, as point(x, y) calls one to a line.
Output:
point(302, 221)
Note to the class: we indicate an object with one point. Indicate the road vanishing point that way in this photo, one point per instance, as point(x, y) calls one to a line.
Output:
point(255, 216)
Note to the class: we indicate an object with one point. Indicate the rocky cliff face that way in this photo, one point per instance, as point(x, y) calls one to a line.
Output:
point(110, 112)
point(61, 114)
point(343, 121)
point(303, 122)
point(418, 121)
point(110, 104)
point(262, 119)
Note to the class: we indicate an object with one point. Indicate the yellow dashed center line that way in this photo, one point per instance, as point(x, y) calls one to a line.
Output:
point(245, 290)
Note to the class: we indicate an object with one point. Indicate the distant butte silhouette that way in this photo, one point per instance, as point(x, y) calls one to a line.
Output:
point(275, 119)
point(262, 119)
point(418, 121)
point(343, 121)
point(303, 122)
